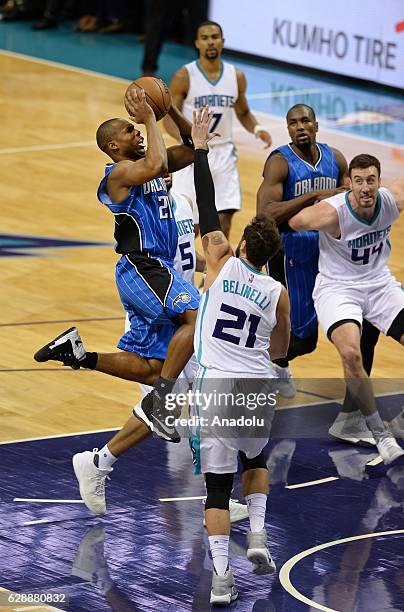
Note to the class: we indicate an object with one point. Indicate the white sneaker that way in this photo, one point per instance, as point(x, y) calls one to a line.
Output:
point(389, 450)
point(258, 552)
point(91, 480)
point(223, 590)
point(238, 512)
point(396, 426)
point(351, 427)
point(284, 382)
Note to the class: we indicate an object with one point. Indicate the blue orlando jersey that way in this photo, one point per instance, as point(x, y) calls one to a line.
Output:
point(303, 177)
point(144, 221)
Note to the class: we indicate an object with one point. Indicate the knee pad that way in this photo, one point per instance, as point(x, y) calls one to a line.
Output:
point(396, 329)
point(218, 487)
point(254, 463)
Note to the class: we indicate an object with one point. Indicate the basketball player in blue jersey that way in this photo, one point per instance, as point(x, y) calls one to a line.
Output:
point(295, 176)
point(161, 305)
point(211, 82)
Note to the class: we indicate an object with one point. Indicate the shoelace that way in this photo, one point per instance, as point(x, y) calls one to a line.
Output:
point(99, 479)
point(99, 488)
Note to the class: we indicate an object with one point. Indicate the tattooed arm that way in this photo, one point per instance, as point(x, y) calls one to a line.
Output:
point(215, 244)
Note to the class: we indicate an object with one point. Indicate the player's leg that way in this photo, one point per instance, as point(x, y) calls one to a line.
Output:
point(217, 517)
point(340, 309)
point(180, 305)
point(255, 489)
point(345, 335)
point(225, 218)
point(296, 268)
point(349, 425)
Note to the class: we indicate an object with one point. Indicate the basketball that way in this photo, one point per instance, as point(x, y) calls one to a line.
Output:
point(157, 94)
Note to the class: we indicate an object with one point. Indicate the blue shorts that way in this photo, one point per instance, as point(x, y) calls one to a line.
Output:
point(296, 267)
point(301, 268)
point(154, 295)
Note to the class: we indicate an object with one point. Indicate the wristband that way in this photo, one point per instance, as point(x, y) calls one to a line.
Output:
point(258, 128)
point(187, 140)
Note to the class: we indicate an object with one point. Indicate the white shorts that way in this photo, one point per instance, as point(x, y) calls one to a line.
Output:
point(219, 430)
point(222, 163)
point(378, 301)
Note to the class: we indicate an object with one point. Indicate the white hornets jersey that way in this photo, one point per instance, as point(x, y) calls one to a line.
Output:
point(185, 260)
point(235, 319)
point(220, 96)
point(362, 251)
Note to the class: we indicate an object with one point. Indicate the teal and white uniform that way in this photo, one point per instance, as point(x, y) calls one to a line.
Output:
point(232, 342)
point(354, 281)
point(220, 96)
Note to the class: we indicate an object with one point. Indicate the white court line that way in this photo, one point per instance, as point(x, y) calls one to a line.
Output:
point(64, 435)
point(94, 73)
point(311, 483)
point(284, 574)
point(375, 461)
point(38, 522)
point(48, 147)
point(48, 501)
point(172, 499)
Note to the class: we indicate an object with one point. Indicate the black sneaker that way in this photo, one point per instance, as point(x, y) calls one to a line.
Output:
point(153, 413)
point(67, 348)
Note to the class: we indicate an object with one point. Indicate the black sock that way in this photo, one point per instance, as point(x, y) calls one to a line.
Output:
point(164, 385)
point(89, 361)
point(282, 363)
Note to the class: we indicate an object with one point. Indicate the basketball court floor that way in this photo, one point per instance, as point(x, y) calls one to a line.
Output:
point(335, 514)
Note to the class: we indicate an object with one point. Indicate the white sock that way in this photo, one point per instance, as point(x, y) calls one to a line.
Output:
point(256, 504)
point(219, 547)
point(106, 459)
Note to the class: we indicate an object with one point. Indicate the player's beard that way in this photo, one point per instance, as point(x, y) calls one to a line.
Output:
point(211, 56)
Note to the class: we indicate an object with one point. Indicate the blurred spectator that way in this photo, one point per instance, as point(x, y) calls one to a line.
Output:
point(109, 16)
point(17, 10)
point(54, 10)
point(160, 17)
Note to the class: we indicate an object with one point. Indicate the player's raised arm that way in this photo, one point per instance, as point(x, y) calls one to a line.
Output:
point(321, 217)
point(397, 191)
point(215, 244)
point(154, 163)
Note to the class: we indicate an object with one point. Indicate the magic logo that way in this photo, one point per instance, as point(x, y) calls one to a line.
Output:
point(16, 245)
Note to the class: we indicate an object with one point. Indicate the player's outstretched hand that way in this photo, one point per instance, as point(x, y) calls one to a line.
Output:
point(200, 128)
point(265, 137)
point(136, 105)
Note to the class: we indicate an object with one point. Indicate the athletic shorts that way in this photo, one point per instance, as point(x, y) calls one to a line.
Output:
point(222, 163)
point(378, 301)
point(153, 294)
point(221, 425)
point(296, 267)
